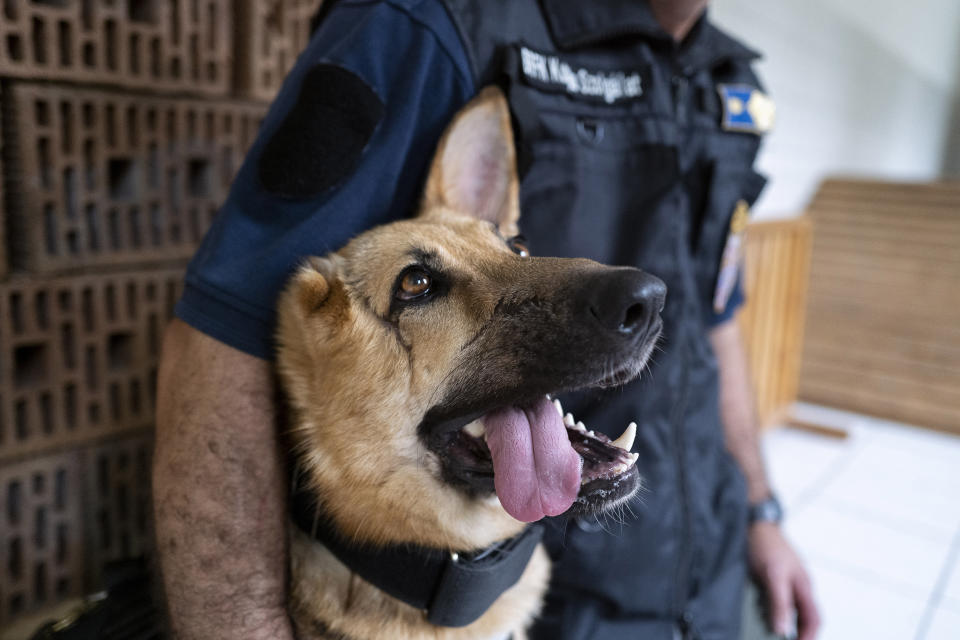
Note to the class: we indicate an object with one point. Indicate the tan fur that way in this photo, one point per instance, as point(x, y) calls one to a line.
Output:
point(359, 394)
point(359, 385)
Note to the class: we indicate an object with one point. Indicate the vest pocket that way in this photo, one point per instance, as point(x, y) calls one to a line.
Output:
point(580, 200)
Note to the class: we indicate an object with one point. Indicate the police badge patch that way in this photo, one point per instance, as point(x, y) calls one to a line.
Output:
point(732, 253)
point(746, 109)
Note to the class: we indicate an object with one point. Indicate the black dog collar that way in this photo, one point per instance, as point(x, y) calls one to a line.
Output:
point(452, 589)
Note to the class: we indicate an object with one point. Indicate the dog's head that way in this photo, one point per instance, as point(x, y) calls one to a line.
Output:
point(418, 359)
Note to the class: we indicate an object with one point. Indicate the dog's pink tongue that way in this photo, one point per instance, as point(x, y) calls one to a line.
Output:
point(536, 471)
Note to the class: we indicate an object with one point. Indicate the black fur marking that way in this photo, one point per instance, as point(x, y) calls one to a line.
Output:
point(540, 339)
point(386, 322)
point(321, 140)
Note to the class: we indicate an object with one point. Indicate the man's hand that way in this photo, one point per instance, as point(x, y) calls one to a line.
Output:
point(784, 581)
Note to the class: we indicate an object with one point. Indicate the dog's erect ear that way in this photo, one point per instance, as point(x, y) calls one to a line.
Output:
point(313, 282)
point(474, 170)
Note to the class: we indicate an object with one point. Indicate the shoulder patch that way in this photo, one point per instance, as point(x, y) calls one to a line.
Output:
point(320, 141)
point(551, 72)
point(746, 108)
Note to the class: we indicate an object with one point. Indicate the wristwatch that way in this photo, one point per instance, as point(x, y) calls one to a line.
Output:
point(768, 510)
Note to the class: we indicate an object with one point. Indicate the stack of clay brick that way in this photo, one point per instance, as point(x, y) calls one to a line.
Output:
point(123, 122)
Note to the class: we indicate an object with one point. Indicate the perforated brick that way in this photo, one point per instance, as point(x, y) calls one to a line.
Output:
point(41, 534)
point(106, 178)
point(183, 45)
point(270, 36)
point(78, 357)
point(3, 207)
point(117, 502)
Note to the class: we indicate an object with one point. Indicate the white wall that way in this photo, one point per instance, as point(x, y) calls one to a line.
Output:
point(863, 87)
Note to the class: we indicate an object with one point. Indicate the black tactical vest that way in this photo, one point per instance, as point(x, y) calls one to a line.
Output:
point(624, 160)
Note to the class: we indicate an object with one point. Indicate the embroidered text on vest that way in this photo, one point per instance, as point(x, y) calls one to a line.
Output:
point(610, 86)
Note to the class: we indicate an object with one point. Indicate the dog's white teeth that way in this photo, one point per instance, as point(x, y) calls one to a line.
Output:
point(568, 420)
point(622, 467)
point(625, 441)
point(476, 429)
point(556, 403)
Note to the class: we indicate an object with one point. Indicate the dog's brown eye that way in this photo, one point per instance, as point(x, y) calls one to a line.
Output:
point(519, 246)
point(414, 283)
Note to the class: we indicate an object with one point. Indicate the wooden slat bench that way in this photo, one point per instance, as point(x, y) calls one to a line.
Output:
point(883, 321)
point(776, 263)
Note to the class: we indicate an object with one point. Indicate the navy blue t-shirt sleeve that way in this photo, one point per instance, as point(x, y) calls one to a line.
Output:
point(344, 147)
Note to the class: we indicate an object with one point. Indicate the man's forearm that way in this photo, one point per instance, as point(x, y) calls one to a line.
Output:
point(218, 492)
point(773, 562)
point(737, 408)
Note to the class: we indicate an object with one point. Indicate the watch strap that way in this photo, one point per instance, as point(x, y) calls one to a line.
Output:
point(767, 510)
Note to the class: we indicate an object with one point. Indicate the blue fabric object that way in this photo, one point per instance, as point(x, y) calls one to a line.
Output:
point(409, 54)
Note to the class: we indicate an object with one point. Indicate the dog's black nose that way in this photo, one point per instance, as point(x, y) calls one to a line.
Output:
point(627, 301)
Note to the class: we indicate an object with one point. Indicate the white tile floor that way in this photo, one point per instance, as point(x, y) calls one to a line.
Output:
point(877, 517)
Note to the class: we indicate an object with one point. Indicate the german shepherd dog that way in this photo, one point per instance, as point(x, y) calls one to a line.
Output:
point(417, 363)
